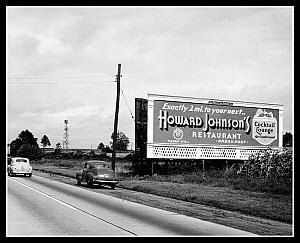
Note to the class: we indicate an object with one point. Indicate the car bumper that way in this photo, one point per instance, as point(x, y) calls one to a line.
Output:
point(104, 181)
point(20, 172)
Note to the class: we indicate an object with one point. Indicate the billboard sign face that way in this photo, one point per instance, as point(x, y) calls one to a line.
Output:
point(182, 122)
point(203, 122)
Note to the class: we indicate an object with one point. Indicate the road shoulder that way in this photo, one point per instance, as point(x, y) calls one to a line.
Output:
point(236, 220)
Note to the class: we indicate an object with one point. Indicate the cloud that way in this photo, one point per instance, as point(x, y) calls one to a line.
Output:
point(78, 34)
point(22, 46)
point(78, 112)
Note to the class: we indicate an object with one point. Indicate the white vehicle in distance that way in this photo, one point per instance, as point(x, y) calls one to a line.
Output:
point(18, 166)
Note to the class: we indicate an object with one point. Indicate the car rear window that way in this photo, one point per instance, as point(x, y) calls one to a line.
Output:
point(21, 160)
point(101, 166)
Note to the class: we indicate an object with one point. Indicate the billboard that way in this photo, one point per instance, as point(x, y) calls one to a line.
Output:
point(191, 122)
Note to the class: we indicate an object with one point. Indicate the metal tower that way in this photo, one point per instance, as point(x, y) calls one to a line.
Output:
point(66, 136)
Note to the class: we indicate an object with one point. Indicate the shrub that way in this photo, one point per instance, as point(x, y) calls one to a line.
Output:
point(272, 167)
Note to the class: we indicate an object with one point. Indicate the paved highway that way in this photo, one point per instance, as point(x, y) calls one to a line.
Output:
point(38, 206)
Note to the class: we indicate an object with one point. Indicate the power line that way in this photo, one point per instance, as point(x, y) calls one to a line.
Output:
point(127, 104)
point(62, 77)
point(82, 82)
point(96, 76)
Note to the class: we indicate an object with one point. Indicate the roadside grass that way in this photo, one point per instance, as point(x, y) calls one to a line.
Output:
point(275, 207)
point(216, 188)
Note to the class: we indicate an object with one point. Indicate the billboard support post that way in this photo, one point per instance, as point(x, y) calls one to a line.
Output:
point(151, 168)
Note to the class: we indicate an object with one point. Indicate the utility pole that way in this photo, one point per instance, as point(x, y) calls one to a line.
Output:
point(113, 157)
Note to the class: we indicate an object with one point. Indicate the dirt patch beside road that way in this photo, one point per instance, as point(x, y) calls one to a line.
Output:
point(236, 220)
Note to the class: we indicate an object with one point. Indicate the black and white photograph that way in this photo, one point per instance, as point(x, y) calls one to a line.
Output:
point(149, 121)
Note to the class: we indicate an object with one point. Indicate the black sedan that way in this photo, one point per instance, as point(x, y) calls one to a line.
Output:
point(97, 172)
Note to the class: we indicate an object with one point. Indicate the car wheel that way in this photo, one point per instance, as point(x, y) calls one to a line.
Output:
point(78, 181)
point(90, 182)
point(113, 186)
point(30, 174)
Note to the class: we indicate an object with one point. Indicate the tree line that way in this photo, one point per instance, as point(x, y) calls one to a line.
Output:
point(26, 145)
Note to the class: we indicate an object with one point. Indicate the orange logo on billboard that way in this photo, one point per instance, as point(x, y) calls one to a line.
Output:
point(264, 127)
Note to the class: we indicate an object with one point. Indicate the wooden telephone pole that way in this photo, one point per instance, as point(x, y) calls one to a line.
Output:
point(113, 161)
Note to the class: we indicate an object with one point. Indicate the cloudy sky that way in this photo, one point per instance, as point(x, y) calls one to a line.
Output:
point(62, 63)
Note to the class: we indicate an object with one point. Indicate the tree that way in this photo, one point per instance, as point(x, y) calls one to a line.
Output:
point(107, 149)
point(101, 146)
point(15, 145)
point(29, 151)
point(57, 148)
point(287, 140)
point(122, 141)
point(25, 145)
point(45, 141)
point(28, 138)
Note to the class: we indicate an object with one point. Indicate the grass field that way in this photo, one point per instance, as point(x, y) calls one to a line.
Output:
point(216, 189)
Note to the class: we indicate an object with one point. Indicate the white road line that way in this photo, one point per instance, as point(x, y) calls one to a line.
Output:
point(70, 206)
